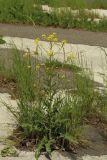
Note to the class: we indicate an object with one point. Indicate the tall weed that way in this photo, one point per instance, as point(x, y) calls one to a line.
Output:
point(52, 100)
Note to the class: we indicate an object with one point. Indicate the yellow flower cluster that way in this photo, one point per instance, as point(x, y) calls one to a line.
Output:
point(50, 53)
point(44, 36)
point(37, 40)
point(63, 42)
point(51, 38)
point(25, 55)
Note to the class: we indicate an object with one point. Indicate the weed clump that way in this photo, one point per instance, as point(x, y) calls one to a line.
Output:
point(53, 97)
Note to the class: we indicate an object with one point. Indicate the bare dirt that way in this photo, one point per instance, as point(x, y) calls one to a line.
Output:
point(7, 86)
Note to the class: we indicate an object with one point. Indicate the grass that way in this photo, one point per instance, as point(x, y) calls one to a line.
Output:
point(75, 4)
point(53, 99)
point(9, 151)
point(13, 11)
point(64, 66)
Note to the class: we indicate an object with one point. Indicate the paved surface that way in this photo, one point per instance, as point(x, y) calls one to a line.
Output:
point(72, 35)
point(7, 121)
point(43, 158)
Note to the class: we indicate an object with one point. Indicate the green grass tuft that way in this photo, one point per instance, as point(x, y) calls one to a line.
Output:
point(25, 11)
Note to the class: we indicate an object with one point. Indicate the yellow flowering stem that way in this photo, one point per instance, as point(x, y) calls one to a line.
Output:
point(37, 40)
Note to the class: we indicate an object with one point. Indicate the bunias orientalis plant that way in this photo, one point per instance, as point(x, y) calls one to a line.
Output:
point(53, 99)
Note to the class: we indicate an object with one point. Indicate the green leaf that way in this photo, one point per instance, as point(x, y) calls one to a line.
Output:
point(2, 41)
point(48, 145)
point(39, 148)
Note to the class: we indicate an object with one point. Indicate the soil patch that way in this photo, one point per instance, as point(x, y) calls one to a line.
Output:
point(8, 86)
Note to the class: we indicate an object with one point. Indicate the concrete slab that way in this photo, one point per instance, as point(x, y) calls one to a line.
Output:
point(56, 157)
point(95, 55)
point(7, 121)
point(100, 12)
point(94, 157)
